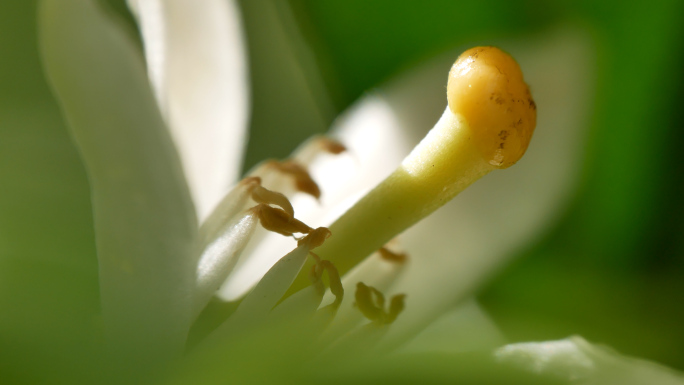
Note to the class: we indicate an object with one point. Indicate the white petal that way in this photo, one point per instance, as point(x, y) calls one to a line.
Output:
point(463, 329)
point(144, 218)
point(575, 359)
point(259, 302)
point(274, 284)
point(232, 204)
point(261, 254)
point(197, 65)
point(220, 256)
point(562, 359)
point(297, 307)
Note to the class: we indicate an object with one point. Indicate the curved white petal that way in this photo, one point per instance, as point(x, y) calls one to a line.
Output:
point(143, 214)
point(463, 329)
point(259, 302)
point(576, 360)
point(220, 257)
point(197, 65)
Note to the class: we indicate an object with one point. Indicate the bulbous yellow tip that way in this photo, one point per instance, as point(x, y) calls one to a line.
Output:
point(487, 89)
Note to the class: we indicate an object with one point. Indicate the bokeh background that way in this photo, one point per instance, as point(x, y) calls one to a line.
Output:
point(611, 269)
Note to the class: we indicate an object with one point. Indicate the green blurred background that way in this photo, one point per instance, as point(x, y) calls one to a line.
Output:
point(612, 270)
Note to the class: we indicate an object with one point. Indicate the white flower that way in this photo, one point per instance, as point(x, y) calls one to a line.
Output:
point(162, 143)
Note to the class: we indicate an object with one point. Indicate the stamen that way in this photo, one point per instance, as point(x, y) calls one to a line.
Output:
point(391, 256)
point(302, 179)
point(333, 276)
point(264, 246)
point(292, 175)
point(365, 303)
point(336, 287)
point(263, 195)
point(259, 254)
point(332, 146)
point(397, 305)
point(315, 238)
point(371, 302)
point(279, 221)
point(300, 308)
point(315, 276)
point(306, 153)
point(375, 271)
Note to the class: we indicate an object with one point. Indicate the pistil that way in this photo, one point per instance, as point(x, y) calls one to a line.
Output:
point(487, 125)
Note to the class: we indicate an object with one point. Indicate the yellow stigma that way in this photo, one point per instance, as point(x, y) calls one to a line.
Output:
point(487, 89)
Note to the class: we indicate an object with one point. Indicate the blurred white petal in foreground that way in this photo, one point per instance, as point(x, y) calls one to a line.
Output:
point(574, 359)
point(143, 214)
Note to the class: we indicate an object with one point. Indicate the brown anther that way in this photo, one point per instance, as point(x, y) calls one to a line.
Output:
point(330, 145)
point(279, 221)
point(335, 282)
point(261, 194)
point(251, 180)
point(315, 276)
point(333, 277)
point(315, 238)
point(397, 305)
point(378, 296)
point(365, 303)
point(371, 303)
point(302, 179)
point(391, 256)
point(315, 257)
